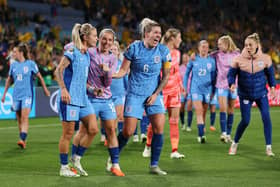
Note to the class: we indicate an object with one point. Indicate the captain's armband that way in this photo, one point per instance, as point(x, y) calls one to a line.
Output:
point(167, 65)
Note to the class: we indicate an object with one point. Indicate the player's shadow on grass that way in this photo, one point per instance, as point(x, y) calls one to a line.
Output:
point(261, 160)
point(13, 152)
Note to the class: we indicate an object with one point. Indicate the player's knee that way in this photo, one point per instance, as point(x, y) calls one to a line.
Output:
point(68, 134)
point(24, 119)
point(174, 120)
point(127, 132)
point(92, 131)
point(110, 131)
point(223, 108)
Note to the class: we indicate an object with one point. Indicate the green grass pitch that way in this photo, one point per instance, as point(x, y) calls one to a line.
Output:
point(204, 165)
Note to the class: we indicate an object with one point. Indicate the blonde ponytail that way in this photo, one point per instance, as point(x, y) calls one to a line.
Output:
point(172, 32)
point(255, 36)
point(79, 31)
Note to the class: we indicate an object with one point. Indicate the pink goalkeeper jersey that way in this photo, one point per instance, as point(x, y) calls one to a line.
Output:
point(223, 63)
point(97, 78)
point(174, 83)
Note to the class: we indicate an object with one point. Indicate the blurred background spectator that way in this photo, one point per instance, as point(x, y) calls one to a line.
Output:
point(46, 24)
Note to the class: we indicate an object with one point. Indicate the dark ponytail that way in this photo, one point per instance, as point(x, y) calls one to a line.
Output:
point(23, 47)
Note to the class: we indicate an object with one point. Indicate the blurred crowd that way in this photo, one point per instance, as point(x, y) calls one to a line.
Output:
point(197, 19)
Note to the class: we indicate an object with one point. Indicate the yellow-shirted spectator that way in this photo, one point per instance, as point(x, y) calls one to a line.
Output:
point(3, 3)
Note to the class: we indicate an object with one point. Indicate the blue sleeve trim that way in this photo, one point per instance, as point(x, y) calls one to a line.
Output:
point(68, 58)
point(127, 57)
point(232, 75)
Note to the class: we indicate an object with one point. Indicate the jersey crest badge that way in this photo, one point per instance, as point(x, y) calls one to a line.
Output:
point(261, 64)
point(209, 66)
point(156, 59)
point(25, 69)
point(168, 57)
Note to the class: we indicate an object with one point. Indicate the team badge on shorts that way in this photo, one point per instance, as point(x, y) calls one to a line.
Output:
point(157, 59)
point(73, 113)
point(128, 109)
point(28, 101)
point(195, 96)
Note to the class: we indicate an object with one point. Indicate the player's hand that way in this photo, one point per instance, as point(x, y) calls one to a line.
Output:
point(114, 75)
point(183, 91)
point(47, 93)
point(151, 99)
point(98, 91)
point(65, 97)
point(272, 93)
point(232, 88)
point(3, 99)
point(104, 67)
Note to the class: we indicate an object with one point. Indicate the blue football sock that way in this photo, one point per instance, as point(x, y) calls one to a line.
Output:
point(223, 121)
point(114, 154)
point(74, 149)
point(229, 123)
point(212, 118)
point(190, 116)
point(77, 125)
point(122, 141)
point(81, 150)
point(103, 132)
point(144, 124)
point(156, 147)
point(182, 117)
point(23, 136)
point(63, 158)
point(200, 129)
